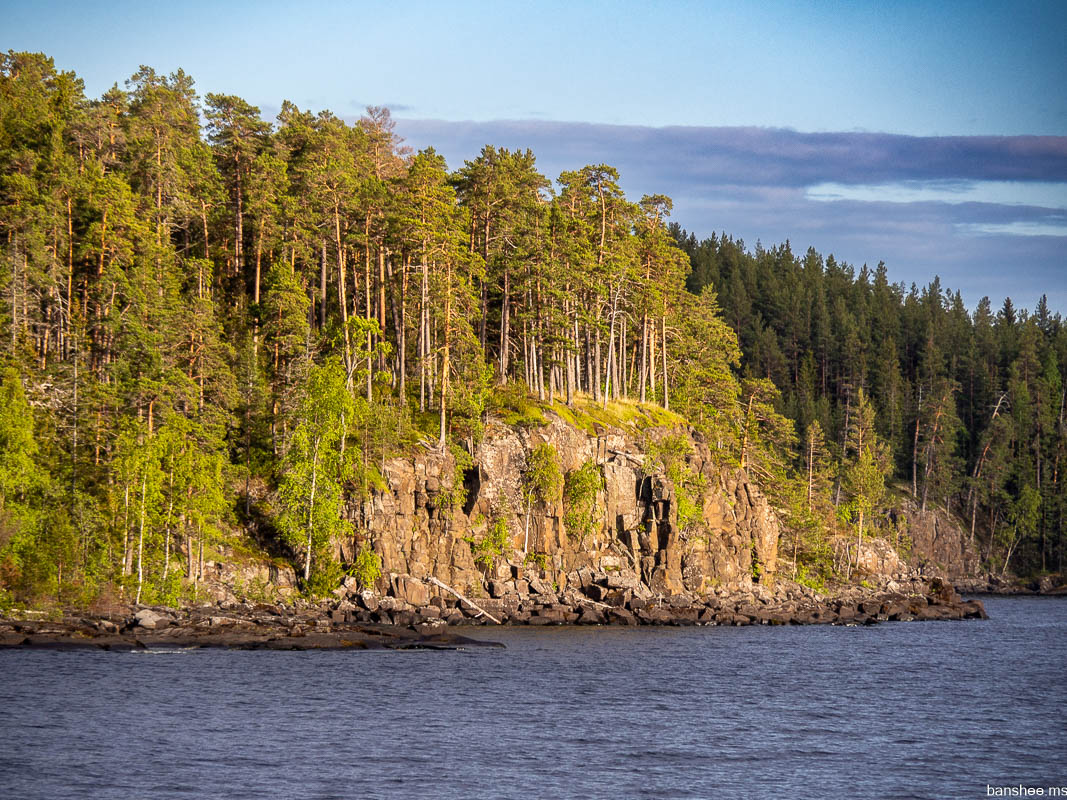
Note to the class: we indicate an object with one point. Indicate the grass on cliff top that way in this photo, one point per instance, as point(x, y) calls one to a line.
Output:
point(513, 405)
point(587, 414)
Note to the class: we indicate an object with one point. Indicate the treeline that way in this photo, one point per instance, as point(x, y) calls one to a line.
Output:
point(209, 320)
point(971, 405)
point(212, 325)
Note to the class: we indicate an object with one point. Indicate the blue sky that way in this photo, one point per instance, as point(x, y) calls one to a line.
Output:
point(930, 135)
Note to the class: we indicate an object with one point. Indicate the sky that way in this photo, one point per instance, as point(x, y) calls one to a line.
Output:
point(928, 135)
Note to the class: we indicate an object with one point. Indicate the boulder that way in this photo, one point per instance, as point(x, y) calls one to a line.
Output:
point(623, 579)
point(538, 586)
point(684, 616)
point(150, 620)
point(620, 616)
point(591, 616)
point(554, 616)
point(411, 590)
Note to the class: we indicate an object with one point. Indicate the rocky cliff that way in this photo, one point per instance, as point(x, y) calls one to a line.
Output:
point(937, 542)
point(669, 536)
point(430, 519)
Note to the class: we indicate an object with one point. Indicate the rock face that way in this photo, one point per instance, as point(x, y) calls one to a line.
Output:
point(430, 519)
point(221, 578)
point(877, 557)
point(938, 543)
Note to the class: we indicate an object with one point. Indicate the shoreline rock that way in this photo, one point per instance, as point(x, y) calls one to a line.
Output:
point(377, 623)
point(302, 632)
point(990, 584)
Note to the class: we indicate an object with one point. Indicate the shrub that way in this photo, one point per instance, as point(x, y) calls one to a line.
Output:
point(542, 481)
point(579, 500)
point(455, 494)
point(495, 543)
point(367, 568)
point(669, 454)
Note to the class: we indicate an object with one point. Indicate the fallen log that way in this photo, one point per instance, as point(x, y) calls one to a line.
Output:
point(469, 602)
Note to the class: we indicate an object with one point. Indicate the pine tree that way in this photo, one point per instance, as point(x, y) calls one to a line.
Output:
point(865, 470)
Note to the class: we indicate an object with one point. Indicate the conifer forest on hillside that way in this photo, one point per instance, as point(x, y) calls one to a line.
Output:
point(214, 328)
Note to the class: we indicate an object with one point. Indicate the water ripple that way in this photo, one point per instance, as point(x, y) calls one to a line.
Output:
point(908, 710)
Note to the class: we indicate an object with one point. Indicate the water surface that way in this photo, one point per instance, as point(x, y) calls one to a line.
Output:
point(925, 710)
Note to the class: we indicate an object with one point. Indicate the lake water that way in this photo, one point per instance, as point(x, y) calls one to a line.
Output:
point(898, 710)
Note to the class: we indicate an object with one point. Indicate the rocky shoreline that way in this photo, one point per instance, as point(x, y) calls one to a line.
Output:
point(364, 620)
point(1047, 585)
point(255, 629)
point(619, 598)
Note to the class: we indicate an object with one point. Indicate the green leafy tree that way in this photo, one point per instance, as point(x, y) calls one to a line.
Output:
point(313, 472)
point(1022, 523)
point(23, 488)
point(767, 437)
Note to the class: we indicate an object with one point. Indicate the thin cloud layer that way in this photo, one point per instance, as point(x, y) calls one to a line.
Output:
point(985, 213)
point(779, 156)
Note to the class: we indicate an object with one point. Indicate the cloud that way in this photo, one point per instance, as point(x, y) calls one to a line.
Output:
point(1017, 228)
point(773, 155)
point(985, 213)
point(1041, 194)
point(395, 108)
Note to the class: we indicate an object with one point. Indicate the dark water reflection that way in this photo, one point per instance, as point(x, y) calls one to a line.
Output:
point(924, 710)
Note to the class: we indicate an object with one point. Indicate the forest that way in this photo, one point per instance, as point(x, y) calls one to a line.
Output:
point(214, 328)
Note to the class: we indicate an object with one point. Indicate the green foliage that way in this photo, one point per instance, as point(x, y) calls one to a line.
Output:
point(807, 521)
point(538, 559)
point(626, 414)
point(367, 568)
point(325, 577)
point(257, 590)
point(542, 481)
point(314, 470)
point(470, 393)
point(454, 494)
point(25, 535)
point(7, 602)
point(670, 453)
point(580, 508)
point(813, 577)
point(20, 474)
point(495, 543)
point(513, 405)
point(706, 388)
point(766, 437)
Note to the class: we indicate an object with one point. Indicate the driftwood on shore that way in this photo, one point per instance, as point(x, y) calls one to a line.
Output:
point(471, 603)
